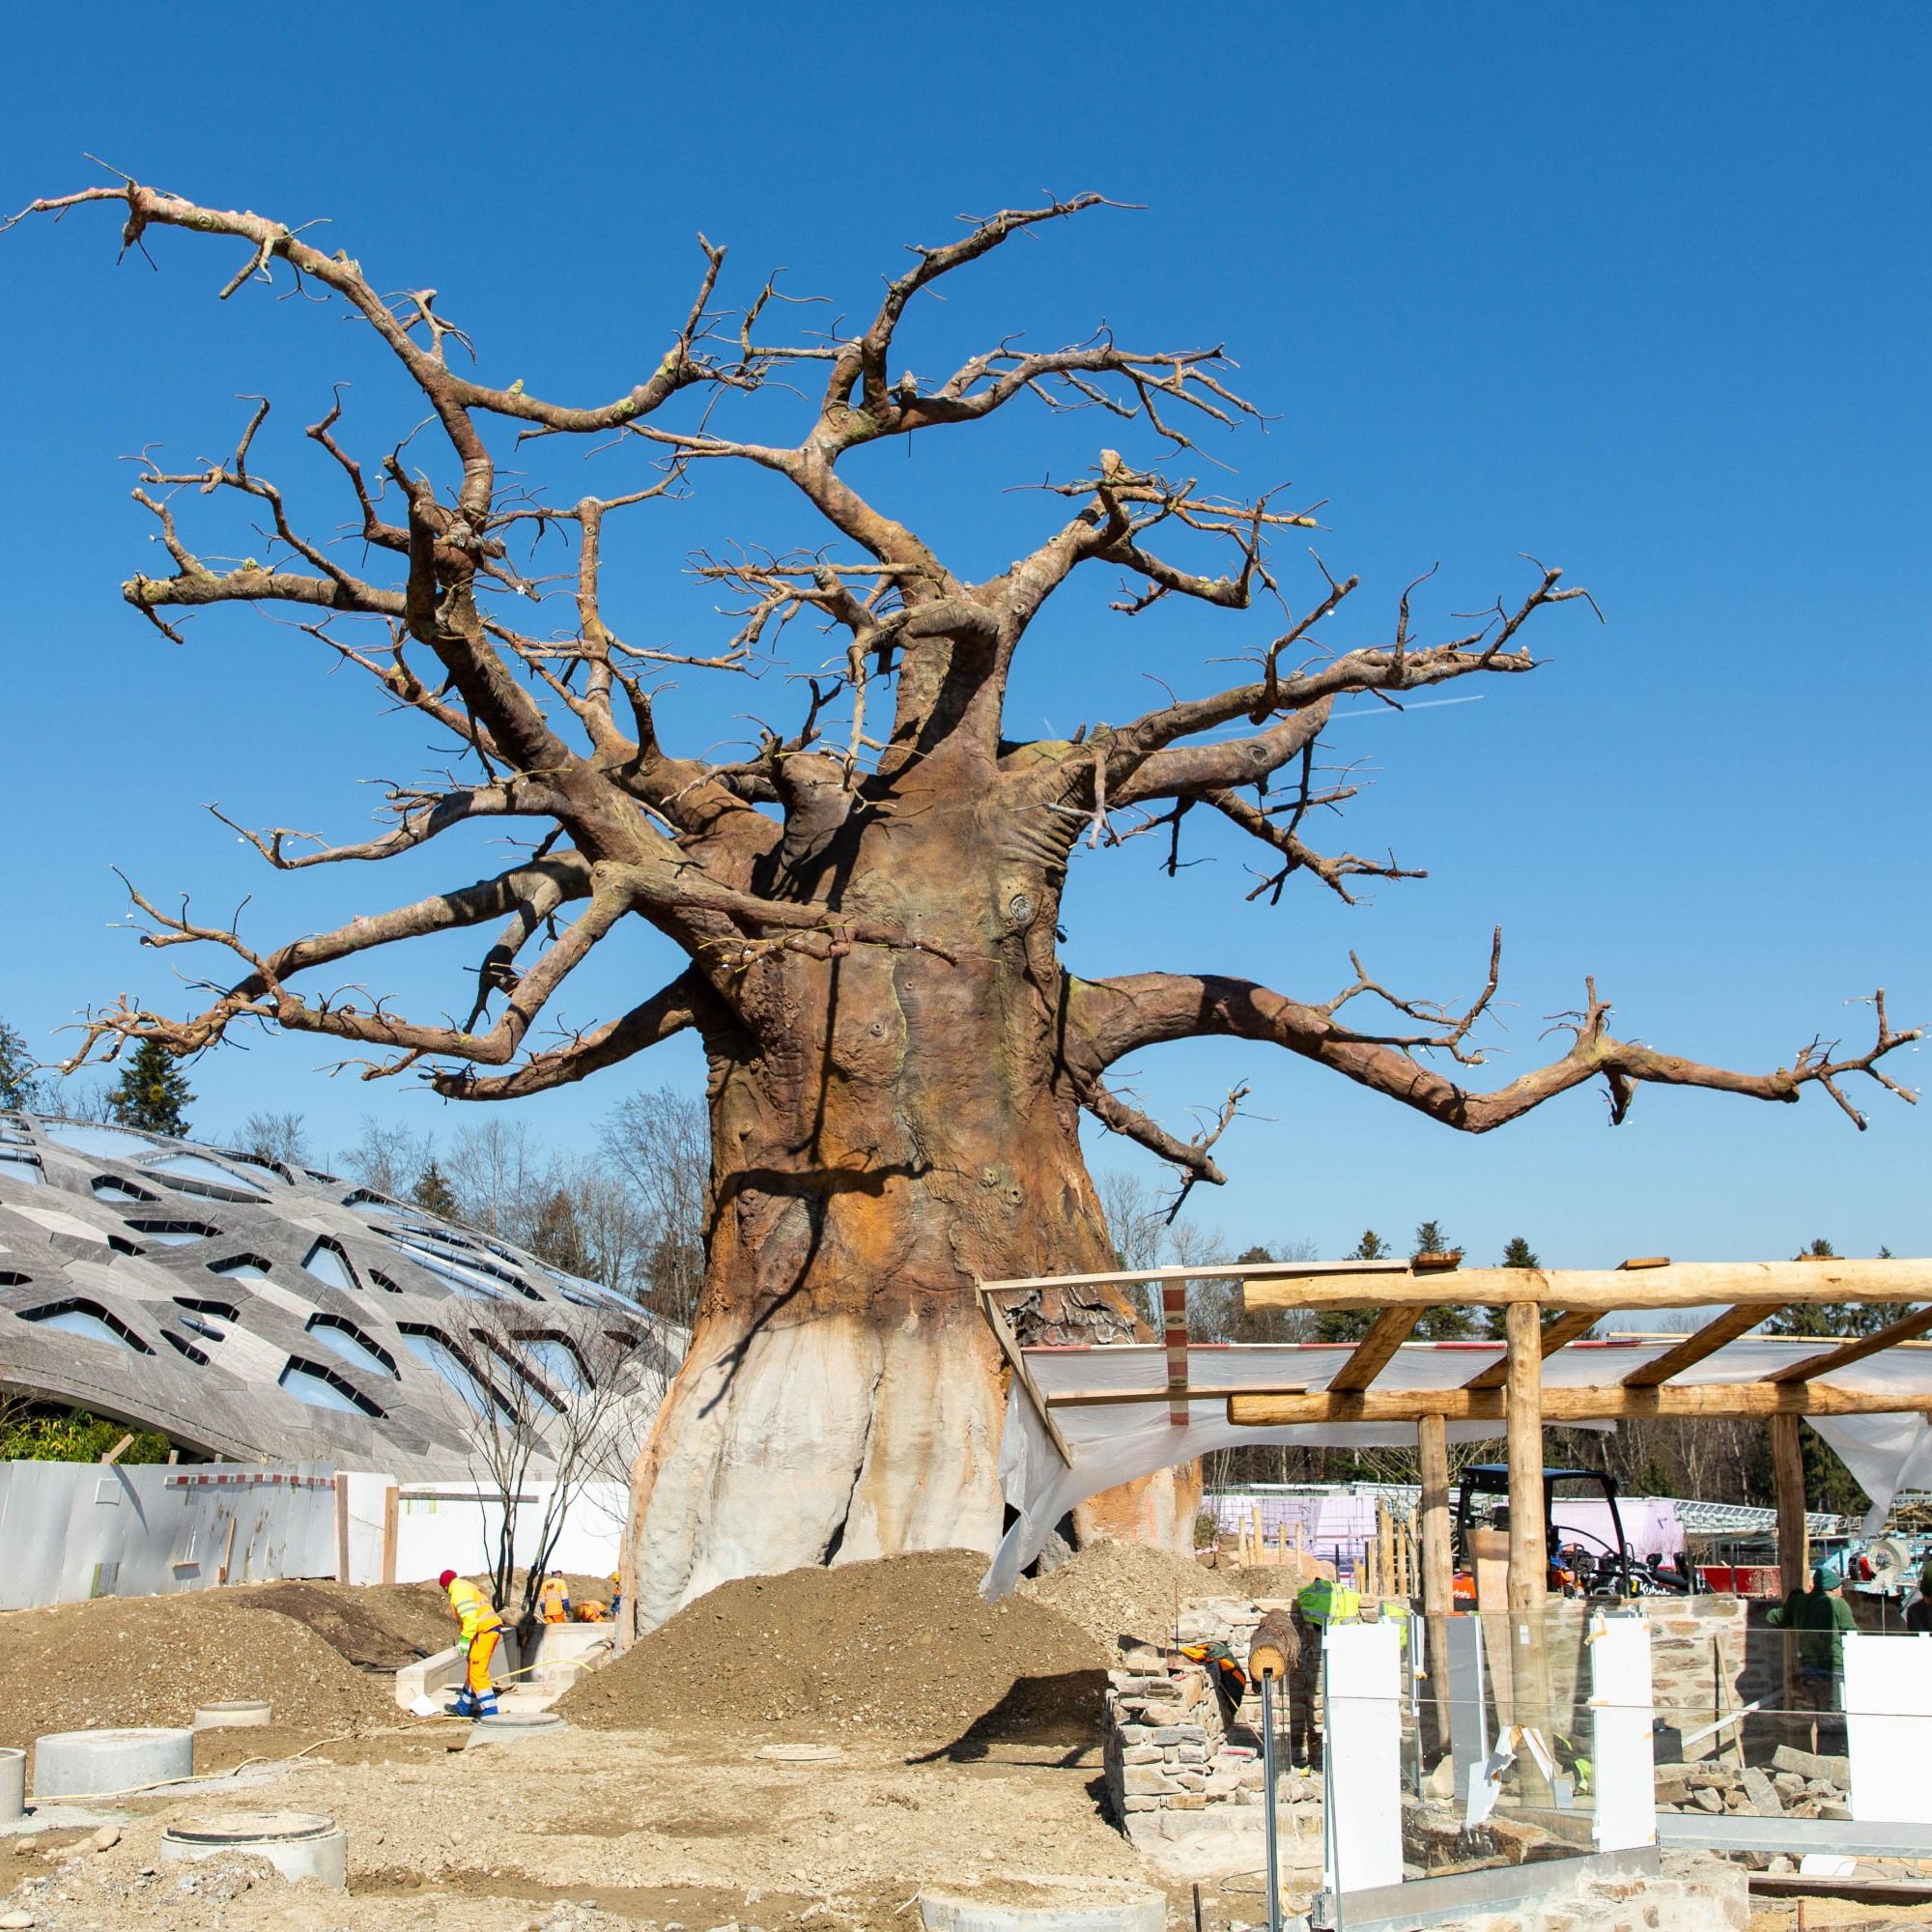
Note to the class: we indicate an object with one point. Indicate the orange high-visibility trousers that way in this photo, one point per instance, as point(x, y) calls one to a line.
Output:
point(482, 1648)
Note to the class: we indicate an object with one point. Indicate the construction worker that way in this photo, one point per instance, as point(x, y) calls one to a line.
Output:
point(1821, 1617)
point(482, 1630)
point(1318, 1604)
point(553, 1598)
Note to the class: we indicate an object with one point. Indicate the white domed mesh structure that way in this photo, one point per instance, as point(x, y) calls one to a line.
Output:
point(252, 1309)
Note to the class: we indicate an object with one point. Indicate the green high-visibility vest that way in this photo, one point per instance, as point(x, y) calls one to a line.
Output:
point(1324, 1602)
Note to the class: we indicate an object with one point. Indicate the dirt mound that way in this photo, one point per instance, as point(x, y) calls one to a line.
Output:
point(1124, 1589)
point(903, 1648)
point(150, 1659)
point(376, 1626)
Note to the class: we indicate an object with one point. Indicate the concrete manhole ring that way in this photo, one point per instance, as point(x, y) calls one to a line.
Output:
point(88, 1764)
point(1046, 1904)
point(510, 1727)
point(299, 1844)
point(232, 1714)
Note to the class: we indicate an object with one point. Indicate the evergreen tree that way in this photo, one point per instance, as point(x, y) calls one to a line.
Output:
point(433, 1193)
point(1369, 1248)
point(151, 1092)
point(1429, 1240)
point(19, 1086)
point(1834, 1319)
point(1518, 1254)
point(557, 1236)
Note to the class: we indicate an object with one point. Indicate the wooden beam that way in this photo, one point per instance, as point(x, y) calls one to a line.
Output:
point(1681, 1285)
point(1376, 1350)
point(1787, 1468)
point(1522, 1418)
point(1706, 1341)
point(1528, 1544)
point(1558, 1333)
point(1907, 1328)
point(1208, 1271)
point(1439, 1562)
point(1114, 1398)
point(996, 1320)
point(1255, 1409)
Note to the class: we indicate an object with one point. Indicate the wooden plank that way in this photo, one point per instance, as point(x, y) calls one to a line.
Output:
point(1906, 1329)
point(1174, 1334)
point(1110, 1398)
point(1707, 1341)
point(996, 1320)
point(1208, 1271)
point(1376, 1350)
point(1252, 1410)
point(1681, 1285)
point(1569, 1326)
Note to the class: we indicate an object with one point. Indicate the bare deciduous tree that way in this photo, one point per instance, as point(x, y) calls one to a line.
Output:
point(549, 1410)
point(659, 1141)
point(867, 904)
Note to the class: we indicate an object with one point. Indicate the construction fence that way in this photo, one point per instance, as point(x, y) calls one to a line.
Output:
point(77, 1530)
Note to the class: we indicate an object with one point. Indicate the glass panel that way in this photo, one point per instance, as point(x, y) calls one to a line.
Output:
point(108, 1188)
point(188, 1170)
point(317, 1390)
point(16, 1167)
point(325, 1263)
point(244, 1269)
point(559, 1364)
point(79, 1321)
point(352, 1344)
point(84, 1137)
point(448, 1364)
point(172, 1235)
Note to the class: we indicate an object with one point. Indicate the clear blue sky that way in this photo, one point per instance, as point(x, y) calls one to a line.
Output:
point(1641, 290)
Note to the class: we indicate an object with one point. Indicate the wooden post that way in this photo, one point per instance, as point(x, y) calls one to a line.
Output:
point(1528, 1550)
point(1787, 1468)
point(1386, 1545)
point(391, 1526)
point(1438, 1564)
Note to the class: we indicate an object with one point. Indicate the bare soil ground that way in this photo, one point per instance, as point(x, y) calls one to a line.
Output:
point(799, 1754)
point(904, 1649)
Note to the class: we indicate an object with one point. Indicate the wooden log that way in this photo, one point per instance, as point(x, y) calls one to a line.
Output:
point(1558, 1332)
point(1386, 1546)
point(1260, 1411)
point(1275, 1648)
point(1787, 1469)
point(1704, 1342)
point(1439, 1562)
point(1907, 1328)
point(1522, 1422)
point(1528, 1543)
point(1374, 1351)
point(1679, 1285)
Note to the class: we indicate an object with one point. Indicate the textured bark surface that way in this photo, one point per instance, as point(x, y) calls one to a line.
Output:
point(898, 1124)
point(865, 909)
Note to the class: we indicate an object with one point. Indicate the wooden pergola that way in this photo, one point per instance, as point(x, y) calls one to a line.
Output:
point(1546, 1311)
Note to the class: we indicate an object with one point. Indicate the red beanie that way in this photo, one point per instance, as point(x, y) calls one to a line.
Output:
point(448, 1577)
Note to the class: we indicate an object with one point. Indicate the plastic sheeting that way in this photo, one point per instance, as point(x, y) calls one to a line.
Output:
point(1117, 1442)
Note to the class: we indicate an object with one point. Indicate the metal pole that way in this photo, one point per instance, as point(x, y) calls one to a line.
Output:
point(1268, 1817)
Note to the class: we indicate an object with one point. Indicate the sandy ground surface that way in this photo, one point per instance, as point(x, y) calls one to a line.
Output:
point(652, 1829)
point(798, 1754)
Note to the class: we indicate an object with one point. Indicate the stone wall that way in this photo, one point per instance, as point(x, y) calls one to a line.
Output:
point(1695, 1893)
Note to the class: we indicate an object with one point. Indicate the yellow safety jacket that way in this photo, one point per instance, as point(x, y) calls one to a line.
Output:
point(554, 1600)
point(474, 1612)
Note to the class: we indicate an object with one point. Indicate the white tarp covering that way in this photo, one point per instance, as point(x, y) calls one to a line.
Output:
point(1117, 1442)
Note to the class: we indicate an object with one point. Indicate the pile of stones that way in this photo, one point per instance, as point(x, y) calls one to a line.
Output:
point(1798, 1784)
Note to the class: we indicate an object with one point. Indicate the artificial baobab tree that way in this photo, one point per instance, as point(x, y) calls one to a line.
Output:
point(864, 903)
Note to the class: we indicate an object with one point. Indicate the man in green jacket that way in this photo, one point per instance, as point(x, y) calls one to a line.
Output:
point(1819, 1617)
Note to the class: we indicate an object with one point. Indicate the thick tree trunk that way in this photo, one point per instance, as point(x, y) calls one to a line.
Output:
point(902, 1124)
